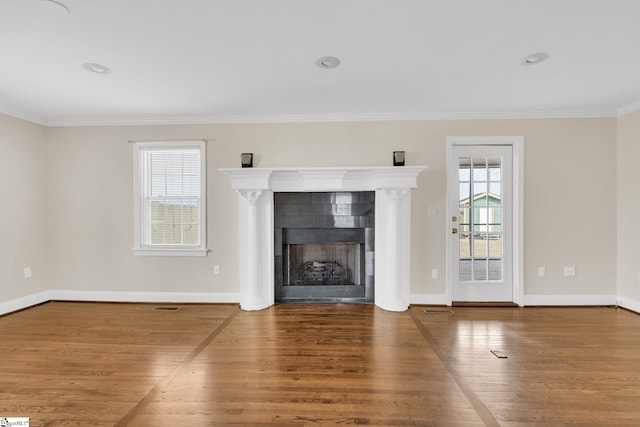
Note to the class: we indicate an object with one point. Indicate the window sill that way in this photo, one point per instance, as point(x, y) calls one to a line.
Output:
point(170, 252)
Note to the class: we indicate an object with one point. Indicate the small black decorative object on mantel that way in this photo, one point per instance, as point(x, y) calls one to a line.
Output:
point(247, 160)
point(398, 158)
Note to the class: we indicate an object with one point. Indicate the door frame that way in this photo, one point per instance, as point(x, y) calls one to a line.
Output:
point(517, 146)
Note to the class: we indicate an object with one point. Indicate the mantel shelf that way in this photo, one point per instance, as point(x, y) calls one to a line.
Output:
point(355, 178)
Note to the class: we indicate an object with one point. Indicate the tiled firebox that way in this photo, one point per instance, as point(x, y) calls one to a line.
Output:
point(324, 246)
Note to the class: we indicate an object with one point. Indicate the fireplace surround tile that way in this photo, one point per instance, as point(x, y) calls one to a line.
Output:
point(323, 218)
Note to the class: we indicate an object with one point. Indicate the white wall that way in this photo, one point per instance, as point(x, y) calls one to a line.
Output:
point(629, 210)
point(570, 198)
point(23, 209)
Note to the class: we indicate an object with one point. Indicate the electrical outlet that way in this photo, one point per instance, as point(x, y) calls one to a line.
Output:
point(542, 271)
point(27, 272)
point(434, 273)
point(569, 270)
point(216, 269)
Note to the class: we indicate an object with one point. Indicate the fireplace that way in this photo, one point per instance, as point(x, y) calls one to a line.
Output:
point(322, 241)
point(258, 247)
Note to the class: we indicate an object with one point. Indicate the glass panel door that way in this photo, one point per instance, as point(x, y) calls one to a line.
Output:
point(480, 230)
point(480, 206)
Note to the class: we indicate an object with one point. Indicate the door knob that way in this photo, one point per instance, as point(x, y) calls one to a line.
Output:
point(454, 231)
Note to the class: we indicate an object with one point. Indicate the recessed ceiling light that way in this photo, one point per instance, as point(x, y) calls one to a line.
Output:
point(56, 7)
point(535, 58)
point(96, 68)
point(328, 62)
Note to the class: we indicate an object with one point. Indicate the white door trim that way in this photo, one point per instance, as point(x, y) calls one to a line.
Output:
point(517, 144)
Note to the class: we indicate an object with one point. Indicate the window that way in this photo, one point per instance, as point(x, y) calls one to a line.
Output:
point(169, 198)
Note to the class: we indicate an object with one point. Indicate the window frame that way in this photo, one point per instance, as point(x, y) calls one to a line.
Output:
point(139, 183)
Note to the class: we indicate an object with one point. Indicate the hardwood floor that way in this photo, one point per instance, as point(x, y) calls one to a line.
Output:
point(90, 364)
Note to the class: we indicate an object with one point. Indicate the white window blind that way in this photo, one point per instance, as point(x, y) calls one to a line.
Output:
point(170, 199)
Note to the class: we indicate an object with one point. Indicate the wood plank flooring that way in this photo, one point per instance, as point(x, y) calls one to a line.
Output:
point(91, 364)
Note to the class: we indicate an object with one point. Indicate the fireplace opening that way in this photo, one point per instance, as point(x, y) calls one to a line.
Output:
point(324, 245)
point(324, 256)
point(326, 264)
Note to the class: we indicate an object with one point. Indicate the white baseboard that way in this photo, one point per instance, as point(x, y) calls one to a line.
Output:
point(629, 303)
point(214, 297)
point(569, 300)
point(164, 297)
point(24, 302)
point(428, 299)
point(550, 300)
point(110, 296)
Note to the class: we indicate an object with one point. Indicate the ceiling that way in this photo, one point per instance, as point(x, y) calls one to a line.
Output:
point(213, 61)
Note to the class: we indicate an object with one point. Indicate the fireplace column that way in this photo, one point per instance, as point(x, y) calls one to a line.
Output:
point(256, 276)
point(393, 231)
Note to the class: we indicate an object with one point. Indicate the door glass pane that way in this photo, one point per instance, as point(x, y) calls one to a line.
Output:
point(480, 247)
point(479, 169)
point(480, 193)
point(480, 269)
point(465, 270)
point(465, 190)
point(495, 269)
point(465, 245)
point(495, 193)
point(494, 216)
point(480, 221)
point(494, 242)
point(464, 173)
point(495, 169)
point(464, 219)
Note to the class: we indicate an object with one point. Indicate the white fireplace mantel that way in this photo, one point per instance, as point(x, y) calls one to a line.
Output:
point(392, 224)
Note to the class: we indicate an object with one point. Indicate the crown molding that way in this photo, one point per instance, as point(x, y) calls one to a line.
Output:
point(23, 115)
point(627, 109)
point(312, 118)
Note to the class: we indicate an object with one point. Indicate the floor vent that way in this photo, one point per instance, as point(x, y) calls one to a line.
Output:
point(438, 311)
point(167, 308)
point(95, 373)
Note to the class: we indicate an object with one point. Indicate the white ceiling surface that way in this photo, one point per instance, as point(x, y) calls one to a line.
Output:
point(211, 61)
